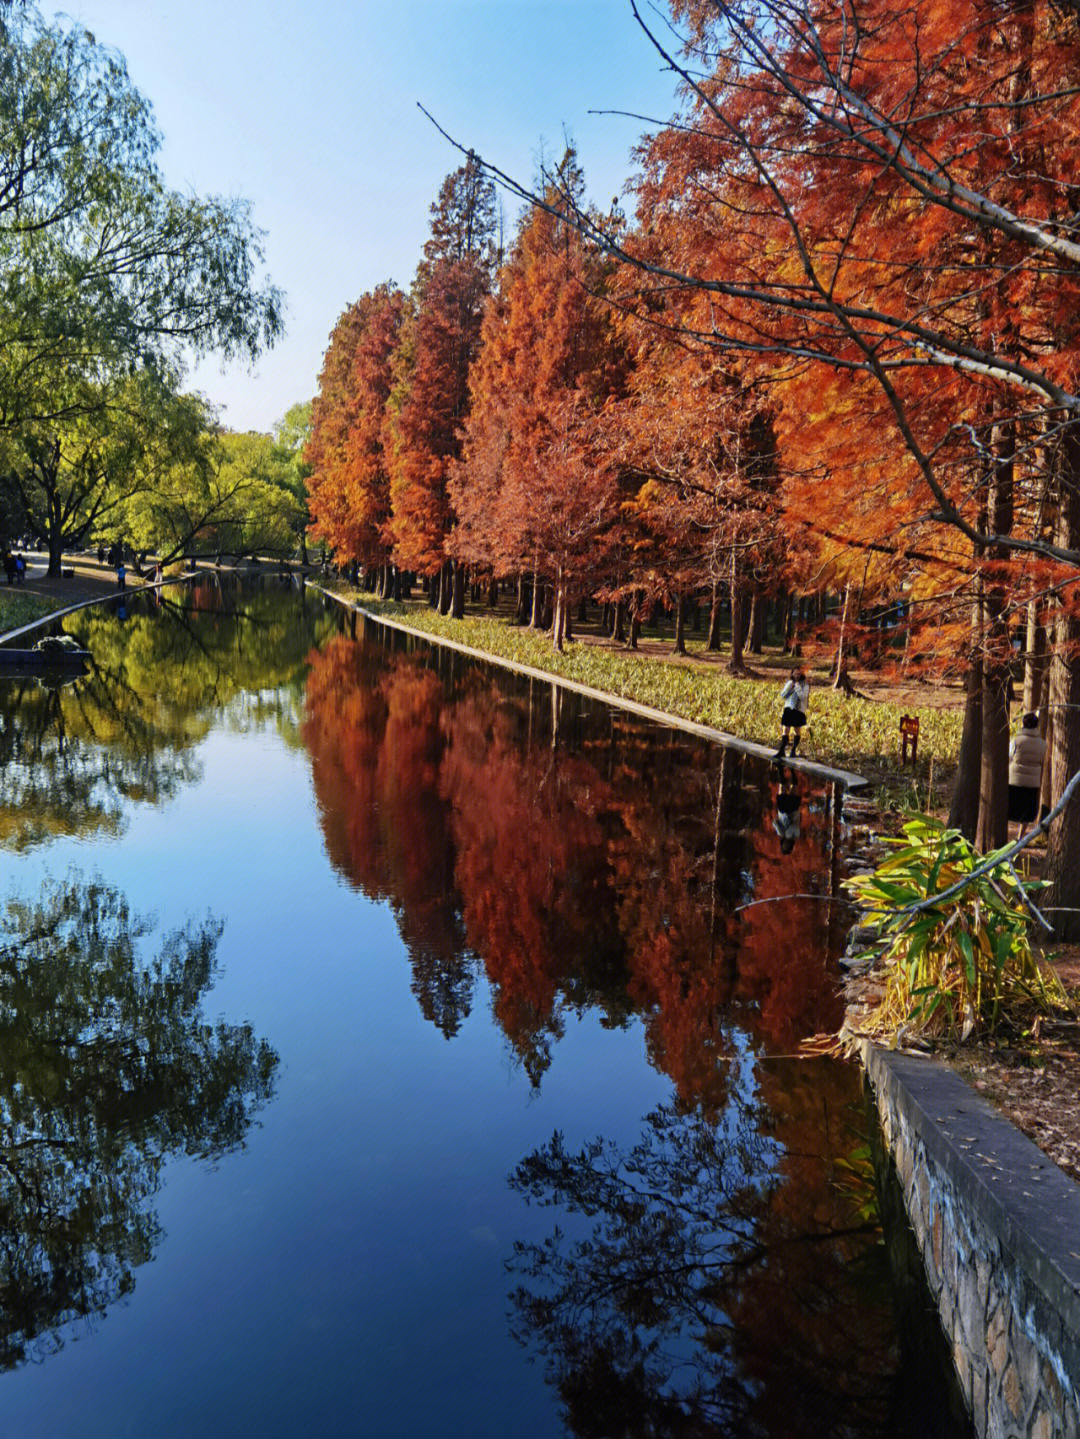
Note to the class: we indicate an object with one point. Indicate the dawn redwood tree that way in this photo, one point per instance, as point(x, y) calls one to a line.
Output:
point(349, 480)
point(430, 398)
point(886, 197)
point(534, 490)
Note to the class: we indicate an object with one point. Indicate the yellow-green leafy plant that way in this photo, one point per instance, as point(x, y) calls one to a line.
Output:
point(956, 967)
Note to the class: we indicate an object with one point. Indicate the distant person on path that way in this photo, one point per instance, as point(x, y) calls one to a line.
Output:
point(121, 576)
point(788, 821)
point(795, 697)
point(1027, 753)
point(9, 566)
point(20, 570)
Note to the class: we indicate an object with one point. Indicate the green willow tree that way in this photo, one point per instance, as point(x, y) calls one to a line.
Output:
point(105, 273)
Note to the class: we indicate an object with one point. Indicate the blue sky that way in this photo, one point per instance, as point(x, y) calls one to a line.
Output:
point(310, 112)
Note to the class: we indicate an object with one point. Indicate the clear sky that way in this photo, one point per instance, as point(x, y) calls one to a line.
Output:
point(309, 110)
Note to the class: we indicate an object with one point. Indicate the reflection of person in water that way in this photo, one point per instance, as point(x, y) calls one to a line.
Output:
point(788, 821)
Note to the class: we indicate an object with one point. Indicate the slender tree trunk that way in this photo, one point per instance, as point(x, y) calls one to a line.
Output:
point(446, 588)
point(1034, 658)
point(712, 641)
point(493, 592)
point(840, 661)
point(618, 622)
point(680, 624)
point(460, 578)
point(738, 619)
point(1063, 848)
point(756, 627)
point(537, 603)
point(993, 826)
point(524, 601)
point(635, 622)
point(559, 617)
point(964, 813)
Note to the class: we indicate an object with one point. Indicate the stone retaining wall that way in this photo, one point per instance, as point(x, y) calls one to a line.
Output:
point(998, 1225)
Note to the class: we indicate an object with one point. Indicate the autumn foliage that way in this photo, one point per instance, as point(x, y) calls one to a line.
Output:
point(833, 354)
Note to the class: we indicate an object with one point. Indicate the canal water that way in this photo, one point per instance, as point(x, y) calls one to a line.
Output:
point(394, 1046)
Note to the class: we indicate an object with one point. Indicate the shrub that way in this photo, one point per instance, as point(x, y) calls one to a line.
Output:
point(958, 966)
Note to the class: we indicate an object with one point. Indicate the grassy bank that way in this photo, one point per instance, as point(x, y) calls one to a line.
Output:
point(855, 732)
point(18, 609)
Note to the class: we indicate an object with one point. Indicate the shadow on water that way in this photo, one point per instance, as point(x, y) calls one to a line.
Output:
point(725, 1273)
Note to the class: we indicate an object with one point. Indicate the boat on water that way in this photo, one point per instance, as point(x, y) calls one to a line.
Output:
point(58, 653)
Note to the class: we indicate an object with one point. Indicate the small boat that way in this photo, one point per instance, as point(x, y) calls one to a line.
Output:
point(59, 653)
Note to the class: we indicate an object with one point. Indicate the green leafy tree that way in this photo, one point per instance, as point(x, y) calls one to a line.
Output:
point(105, 273)
point(291, 435)
point(77, 477)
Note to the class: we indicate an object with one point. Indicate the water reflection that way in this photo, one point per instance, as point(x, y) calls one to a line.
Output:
point(582, 858)
point(717, 1280)
point(73, 757)
point(107, 1067)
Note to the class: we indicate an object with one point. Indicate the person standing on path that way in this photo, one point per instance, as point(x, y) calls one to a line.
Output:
point(795, 697)
point(121, 576)
point(1027, 754)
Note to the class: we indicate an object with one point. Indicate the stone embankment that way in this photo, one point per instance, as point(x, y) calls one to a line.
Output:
point(996, 1222)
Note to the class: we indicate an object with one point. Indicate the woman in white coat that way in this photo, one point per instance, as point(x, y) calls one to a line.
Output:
point(795, 697)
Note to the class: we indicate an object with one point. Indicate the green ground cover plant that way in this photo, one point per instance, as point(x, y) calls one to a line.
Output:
point(842, 730)
point(18, 609)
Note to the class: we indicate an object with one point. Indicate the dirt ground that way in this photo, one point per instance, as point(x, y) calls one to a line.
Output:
point(89, 582)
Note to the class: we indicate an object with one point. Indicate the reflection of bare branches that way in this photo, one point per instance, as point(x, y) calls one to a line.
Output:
point(649, 1312)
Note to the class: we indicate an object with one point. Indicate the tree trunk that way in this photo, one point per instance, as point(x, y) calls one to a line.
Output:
point(712, 641)
point(680, 624)
point(559, 617)
point(756, 628)
point(537, 603)
point(635, 622)
point(524, 601)
point(964, 813)
point(840, 660)
point(1034, 659)
point(738, 619)
point(993, 826)
point(618, 623)
point(493, 592)
point(460, 576)
point(446, 587)
point(1063, 848)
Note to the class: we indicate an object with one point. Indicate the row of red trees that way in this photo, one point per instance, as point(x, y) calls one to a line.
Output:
point(836, 348)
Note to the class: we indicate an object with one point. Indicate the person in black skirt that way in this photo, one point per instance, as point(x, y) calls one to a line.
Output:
point(795, 697)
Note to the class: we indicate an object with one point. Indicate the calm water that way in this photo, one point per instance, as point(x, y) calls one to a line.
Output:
point(392, 1047)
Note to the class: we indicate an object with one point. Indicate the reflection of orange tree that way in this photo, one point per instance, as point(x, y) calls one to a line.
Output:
point(606, 875)
point(721, 1285)
point(373, 731)
point(676, 912)
point(783, 962)
point(532, 870)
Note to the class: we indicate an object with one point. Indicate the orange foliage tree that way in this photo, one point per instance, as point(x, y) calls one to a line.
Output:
point(430, 399)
